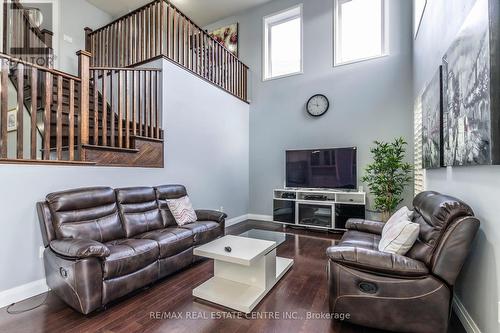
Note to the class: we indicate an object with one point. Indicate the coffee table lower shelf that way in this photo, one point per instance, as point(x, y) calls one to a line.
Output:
point(237, 295)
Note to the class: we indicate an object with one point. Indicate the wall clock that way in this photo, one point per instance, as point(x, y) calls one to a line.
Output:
point(317, 105)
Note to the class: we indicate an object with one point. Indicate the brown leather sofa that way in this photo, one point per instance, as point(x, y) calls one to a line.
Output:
point(409, 293)
point(101, 244)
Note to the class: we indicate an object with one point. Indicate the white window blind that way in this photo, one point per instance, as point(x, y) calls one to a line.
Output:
point(419, 173)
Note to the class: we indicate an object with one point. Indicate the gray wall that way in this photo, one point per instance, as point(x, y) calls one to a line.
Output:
point(478, 287)
point(372, 100)
point(74, 16)
point(207, 133)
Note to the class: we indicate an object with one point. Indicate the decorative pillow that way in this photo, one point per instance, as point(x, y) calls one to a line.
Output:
point(402, 214)
point(182, 210)
point(399, 238)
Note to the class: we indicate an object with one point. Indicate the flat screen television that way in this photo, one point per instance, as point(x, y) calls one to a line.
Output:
point(334, 168)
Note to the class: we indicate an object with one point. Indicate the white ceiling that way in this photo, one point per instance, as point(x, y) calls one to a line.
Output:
point(202, 12)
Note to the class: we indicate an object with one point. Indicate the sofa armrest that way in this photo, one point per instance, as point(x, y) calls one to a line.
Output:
point(210, 215)
point(79, 248)
point(377, 261)
point(372, 227)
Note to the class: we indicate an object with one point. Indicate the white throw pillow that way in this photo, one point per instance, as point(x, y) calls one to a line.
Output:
point(401, 214)
point(182, 210)
point(399, 238)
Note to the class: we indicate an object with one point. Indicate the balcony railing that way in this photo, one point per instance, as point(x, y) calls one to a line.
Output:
point(160, 29)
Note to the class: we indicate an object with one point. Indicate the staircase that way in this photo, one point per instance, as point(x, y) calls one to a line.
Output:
point(159, 29)
point(110, 114)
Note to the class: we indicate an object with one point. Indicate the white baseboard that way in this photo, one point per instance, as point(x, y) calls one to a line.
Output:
point(22, 292)
point(236, 220)
point(464, 316)
point(239, 219)
point(260, 217)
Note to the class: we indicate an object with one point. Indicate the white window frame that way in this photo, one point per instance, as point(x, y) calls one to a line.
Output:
point(266, 42)
point(418, 17)
point(337, 34)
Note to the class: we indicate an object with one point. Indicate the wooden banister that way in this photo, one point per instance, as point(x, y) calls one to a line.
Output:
point(160, 29)
point(132, 95)
point(45, 95)
point(84, 74)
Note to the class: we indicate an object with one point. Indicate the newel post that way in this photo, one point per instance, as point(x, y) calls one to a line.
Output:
point(88, 40)
point(47, 37)
point(84, 74)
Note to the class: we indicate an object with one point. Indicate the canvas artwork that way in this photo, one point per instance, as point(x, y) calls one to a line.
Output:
point(227, 36)
point(466, 92)
point(432, 123)
point(12, 120)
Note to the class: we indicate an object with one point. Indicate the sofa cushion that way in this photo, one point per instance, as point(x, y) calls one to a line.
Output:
point(399, 238)
point(204, 231)
point(170, 240)
point(360, 239)
point(139, 210)
point(182, 210)
point(87, 213)
point(129, 255)
point(165, 192)
point(402, 214)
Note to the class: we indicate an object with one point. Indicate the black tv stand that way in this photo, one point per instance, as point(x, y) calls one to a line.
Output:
point(319, 209)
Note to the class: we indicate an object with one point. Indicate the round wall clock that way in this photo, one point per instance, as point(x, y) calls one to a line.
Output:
point(317, 105)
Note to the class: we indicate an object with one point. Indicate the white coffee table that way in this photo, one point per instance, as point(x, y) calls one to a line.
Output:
point(243, 276)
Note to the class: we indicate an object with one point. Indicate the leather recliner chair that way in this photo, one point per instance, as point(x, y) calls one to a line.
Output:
point(102, 244)
point(410, 293)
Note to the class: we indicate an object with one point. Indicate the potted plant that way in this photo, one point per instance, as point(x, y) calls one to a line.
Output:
point(388, 175)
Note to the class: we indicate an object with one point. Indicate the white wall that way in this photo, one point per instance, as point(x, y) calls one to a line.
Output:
point(478, 287)
point(371, 100)
point(206, 148)
point(75, 15)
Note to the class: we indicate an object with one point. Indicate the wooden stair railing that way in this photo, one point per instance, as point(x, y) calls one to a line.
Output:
point(101, 107)
point(22, 39)
point(43, 122)
point(134, 100)
point(160, 29)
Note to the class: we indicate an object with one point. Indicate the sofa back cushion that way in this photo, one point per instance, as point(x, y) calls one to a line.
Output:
point(87, 213)
point(167, 192)
point(139, 210)
point(434, 213)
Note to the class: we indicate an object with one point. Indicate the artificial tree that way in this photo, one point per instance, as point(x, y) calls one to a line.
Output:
point(388, 175)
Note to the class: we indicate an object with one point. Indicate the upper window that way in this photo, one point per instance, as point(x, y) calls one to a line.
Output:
point(359, 30)
point(283, 43)
point(418, 13)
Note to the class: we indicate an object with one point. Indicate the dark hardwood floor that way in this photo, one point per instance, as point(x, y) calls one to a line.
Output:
point(303, 289)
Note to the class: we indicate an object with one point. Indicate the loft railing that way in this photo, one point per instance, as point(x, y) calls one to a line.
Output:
point(22, 38)
point(55, 114)
point(160, 29)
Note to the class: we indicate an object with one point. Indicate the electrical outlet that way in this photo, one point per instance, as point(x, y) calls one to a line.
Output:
point(40, 252)
point(221, 209)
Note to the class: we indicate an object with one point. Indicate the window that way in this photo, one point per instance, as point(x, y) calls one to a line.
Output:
point(283, 43)
point(359, 30)
point(418, 13)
